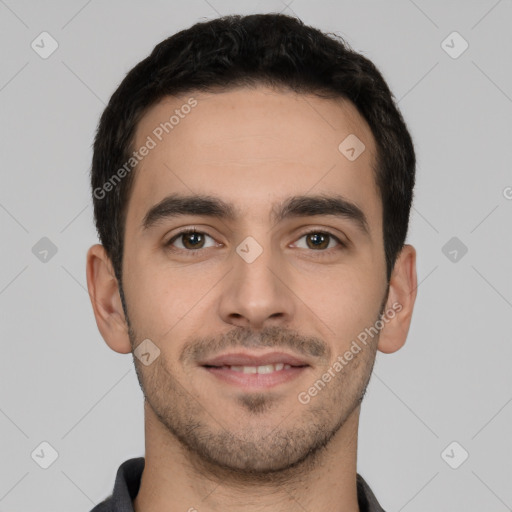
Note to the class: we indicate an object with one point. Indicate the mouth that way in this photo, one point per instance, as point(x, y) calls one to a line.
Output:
point(253, 372)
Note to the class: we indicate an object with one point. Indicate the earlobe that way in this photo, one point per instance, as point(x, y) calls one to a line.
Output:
point(106, 301)
point(400, 302)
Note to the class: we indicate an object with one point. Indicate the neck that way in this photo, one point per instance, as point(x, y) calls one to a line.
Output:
point(176, 480)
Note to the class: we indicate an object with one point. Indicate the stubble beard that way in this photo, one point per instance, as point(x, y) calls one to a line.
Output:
point(263, 451)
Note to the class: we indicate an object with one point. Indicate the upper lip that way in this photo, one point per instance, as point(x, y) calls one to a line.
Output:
point(248, 359)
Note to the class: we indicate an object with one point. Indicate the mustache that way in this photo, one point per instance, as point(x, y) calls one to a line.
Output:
point(275, 337)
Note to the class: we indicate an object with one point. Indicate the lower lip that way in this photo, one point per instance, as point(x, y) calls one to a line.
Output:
point(256, 380)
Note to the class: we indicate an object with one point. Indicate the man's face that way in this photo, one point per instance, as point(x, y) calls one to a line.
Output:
point(252, 310)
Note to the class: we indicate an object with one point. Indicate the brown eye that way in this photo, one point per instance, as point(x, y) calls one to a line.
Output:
point(320, 240)
point(190, 240)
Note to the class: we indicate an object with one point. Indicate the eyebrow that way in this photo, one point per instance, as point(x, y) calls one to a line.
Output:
point(176, 205)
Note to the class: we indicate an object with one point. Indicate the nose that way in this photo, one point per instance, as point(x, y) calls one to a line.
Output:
point(257, 294)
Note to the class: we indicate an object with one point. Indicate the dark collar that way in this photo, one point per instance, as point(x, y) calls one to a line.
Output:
point(128, 483)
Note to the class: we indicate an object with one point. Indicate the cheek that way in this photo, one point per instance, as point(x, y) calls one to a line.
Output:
point(153, 298)
point(167, 304)
point(347, 301)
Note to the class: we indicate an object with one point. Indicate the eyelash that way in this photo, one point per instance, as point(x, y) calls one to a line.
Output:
point(194, 252)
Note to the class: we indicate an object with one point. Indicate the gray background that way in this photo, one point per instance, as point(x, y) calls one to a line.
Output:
point(451, 381)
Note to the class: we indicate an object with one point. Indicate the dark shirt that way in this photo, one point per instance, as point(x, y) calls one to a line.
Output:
point(128, 482)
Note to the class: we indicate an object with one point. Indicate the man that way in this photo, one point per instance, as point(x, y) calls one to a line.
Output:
point(252, 181)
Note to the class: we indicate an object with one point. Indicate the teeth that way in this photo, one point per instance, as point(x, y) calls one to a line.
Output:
point(267, 368)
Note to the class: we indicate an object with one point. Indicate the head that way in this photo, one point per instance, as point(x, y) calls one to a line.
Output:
point(284, 151)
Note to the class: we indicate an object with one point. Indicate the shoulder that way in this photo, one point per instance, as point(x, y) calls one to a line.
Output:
point(367, 500)
point(126, 487)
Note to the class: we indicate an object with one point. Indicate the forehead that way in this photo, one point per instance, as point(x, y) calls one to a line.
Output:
point(250, 147)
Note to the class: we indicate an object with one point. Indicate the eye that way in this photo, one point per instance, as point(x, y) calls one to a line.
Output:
point(320, 240)
point(190, 240)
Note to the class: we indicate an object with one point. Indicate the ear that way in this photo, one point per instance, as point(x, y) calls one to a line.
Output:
point(400, 302)
point(106, 301)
